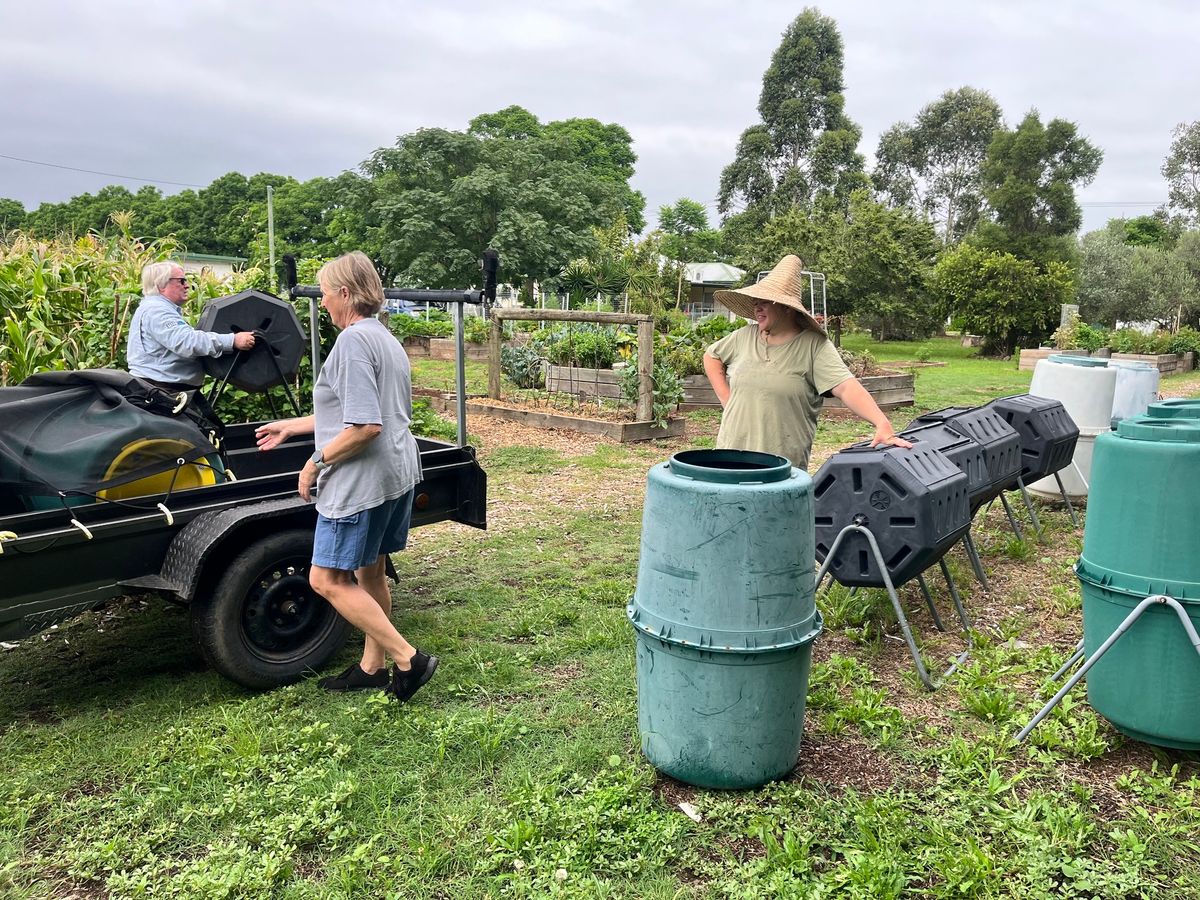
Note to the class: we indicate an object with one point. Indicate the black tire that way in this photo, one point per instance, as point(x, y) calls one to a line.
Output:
point(262, 625)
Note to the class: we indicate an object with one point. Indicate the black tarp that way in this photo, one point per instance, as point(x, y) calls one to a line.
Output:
point(61, 432)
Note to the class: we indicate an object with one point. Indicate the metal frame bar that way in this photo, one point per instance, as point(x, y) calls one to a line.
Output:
point(922, 672)
point(1126, 624)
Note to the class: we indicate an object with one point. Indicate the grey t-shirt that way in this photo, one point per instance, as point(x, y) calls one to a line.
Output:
point(366, 381)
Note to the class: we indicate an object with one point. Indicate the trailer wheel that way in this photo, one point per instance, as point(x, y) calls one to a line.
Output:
point(262, 625)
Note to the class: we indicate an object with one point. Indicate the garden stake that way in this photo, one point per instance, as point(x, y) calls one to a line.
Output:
point(1104, 648)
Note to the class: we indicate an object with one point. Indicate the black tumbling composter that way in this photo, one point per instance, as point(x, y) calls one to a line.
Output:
point(914, 502)
point(1048, 434)
point(999, 442)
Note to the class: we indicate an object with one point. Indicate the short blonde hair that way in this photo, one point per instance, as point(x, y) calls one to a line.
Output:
point(355, 272)
point(156, 275)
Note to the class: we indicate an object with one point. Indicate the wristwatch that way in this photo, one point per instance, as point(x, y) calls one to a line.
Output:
point(318, 460)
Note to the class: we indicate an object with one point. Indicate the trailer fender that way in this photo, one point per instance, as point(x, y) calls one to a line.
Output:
point(205, 536)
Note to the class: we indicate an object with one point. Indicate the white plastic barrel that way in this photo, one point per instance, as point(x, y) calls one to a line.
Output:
point(1086, 388)
point(1137, 388)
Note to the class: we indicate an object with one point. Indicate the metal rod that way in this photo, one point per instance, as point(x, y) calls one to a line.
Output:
point(460, 375)
point(314, 324)
point(1067, 500)
point(937, 620)
point(1037, 526)
point(958, 604)
point(922, 673)
point(1012, 520)
point(976, 562)
point(1075, 656)
point(1104, 648)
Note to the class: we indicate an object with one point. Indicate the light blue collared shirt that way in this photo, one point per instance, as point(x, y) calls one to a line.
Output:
point(164, 347)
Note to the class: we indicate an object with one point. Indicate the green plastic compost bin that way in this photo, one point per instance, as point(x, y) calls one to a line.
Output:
point(1141, 540)
point(725, 616)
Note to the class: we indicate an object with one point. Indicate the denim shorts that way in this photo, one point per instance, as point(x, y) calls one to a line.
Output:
point(360, 538)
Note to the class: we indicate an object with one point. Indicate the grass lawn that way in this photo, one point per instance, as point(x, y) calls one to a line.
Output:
point(133, 771)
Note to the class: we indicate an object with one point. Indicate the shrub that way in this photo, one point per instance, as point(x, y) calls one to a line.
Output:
point(1186, 340)
point(713, 328)
point(476, 330)
point(437, 325)
point(683, 361)
point(668, 390)
point(427, 423)
point(590, 349)
point(1091, 337)
point(523, 366)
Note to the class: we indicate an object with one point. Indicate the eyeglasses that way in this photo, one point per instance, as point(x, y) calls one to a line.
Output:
point(183, 281)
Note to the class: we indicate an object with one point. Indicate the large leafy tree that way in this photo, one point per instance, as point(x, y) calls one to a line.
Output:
point(12, 215)
point(877, 261)
point(933, 165)
point(1029, 179)
point(1105, 261)
point(1008, 300)
point(805, 147)
point(439, 198)
point(1181, 168)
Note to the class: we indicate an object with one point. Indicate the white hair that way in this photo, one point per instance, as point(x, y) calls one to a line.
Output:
point(156, 275)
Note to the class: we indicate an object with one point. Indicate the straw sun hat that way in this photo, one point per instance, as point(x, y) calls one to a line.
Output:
point(783, 286)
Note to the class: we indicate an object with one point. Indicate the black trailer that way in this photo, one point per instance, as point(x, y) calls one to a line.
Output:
point(236, 552)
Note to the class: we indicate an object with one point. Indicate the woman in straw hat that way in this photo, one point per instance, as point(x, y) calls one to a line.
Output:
point(771, 375)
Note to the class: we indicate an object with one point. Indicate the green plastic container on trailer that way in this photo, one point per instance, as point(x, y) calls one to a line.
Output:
point(725, 616)
point(1175, 408)
point(1139, 541)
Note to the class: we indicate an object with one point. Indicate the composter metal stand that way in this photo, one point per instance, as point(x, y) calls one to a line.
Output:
point(922, 672)
point(1126, 624)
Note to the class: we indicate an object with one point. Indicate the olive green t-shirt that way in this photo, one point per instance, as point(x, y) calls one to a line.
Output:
point(775, 392)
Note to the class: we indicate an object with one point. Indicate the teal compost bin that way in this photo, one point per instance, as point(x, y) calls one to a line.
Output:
point(725, 616)
point(1175, 408)
point(1141, 540)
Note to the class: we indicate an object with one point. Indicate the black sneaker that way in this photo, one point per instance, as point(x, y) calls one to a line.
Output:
point(355, 679)
point(405, 684)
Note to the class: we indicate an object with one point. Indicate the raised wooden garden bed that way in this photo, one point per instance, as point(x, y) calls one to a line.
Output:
point(1166, 363)
point(1030, 358)
point(542, 418)
point(583, 382)
point(891, 391)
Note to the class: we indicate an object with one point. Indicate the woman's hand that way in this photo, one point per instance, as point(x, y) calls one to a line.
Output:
point(273, 434)
point(884, 435)
point(308, 478)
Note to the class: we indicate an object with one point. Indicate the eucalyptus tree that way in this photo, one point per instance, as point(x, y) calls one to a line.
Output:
point(933, 165)
point(1181, 168)
point(805, 146)
point(1029, 179)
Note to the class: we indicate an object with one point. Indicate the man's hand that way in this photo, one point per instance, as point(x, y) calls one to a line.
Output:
point(243, 340)
point(272, 434)
point(308, 478)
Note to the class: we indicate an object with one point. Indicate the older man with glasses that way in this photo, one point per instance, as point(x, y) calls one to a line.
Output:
point(164, 349)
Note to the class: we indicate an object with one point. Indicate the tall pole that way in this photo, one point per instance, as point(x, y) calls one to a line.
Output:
point(271, 228)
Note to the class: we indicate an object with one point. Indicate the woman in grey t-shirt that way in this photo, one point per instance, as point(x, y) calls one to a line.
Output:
point(366, 466)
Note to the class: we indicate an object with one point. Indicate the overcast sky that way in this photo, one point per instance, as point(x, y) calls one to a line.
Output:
point(186, 91)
